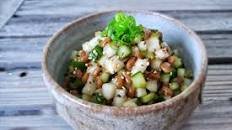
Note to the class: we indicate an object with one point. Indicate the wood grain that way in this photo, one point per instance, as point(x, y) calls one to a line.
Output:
point(7, 9)
point(53, 122)
point(25, 103)
point(210, 116)
point(46, 25)
point(38, 7)
point(26, 52)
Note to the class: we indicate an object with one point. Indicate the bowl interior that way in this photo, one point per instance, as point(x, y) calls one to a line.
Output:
point(82, 30)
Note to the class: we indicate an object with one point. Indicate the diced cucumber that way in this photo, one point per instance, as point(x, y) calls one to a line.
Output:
point(98, 98)
point(137, 39)
point(76, 84)
point(173, 74)
point(149, 97)
point(186, 84)
point(180, 72)
point(102, 60)
point(96, 53)
point(99, 91)
point(165, 78)
point(178, 91)
point(152, 86)
point(150, 55)
point(141, 92)
point(130, 103)
point(188, 73)
point(124, 51)
point(177, 62)
point(74, 54)
point(176, 52)
point(86, 97)
point(174, 85)
point(105, 77)
point(183, 87)
point(138, 80)
point(77, 64)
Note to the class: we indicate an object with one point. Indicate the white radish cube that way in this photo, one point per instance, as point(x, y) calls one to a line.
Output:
point(90, 86)
point(118, 101)
point(140, 65)
point(142, 46)
point(141, 92)
point(113, 64)
point(88, 46)
point(152, 85)
point(108, 51)
point(162, 54)
point(155, 64)
point(153, 44)
point(108, 90)
point(130, 103)
point(91, 68)
point(120, 92)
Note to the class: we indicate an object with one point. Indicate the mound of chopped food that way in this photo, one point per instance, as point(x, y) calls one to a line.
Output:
point(126, 65)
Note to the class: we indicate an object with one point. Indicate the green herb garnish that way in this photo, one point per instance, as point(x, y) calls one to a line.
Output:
point(123, 30)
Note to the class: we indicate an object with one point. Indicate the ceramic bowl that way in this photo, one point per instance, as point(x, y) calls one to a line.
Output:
point(166, 115)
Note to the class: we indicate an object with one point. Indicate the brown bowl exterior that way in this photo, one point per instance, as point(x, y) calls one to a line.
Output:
point(80, 114)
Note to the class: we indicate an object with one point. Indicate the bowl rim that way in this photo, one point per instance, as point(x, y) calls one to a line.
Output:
point(70, 100)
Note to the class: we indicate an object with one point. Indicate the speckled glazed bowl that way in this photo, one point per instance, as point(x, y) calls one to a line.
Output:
point(80, 114)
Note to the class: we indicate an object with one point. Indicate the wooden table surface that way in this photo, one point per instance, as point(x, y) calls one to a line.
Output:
point(25, 103)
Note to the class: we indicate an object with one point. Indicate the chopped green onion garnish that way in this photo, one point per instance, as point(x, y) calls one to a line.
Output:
point(123, 30)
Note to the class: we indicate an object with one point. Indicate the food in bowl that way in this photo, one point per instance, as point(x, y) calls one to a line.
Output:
point(126, 65)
